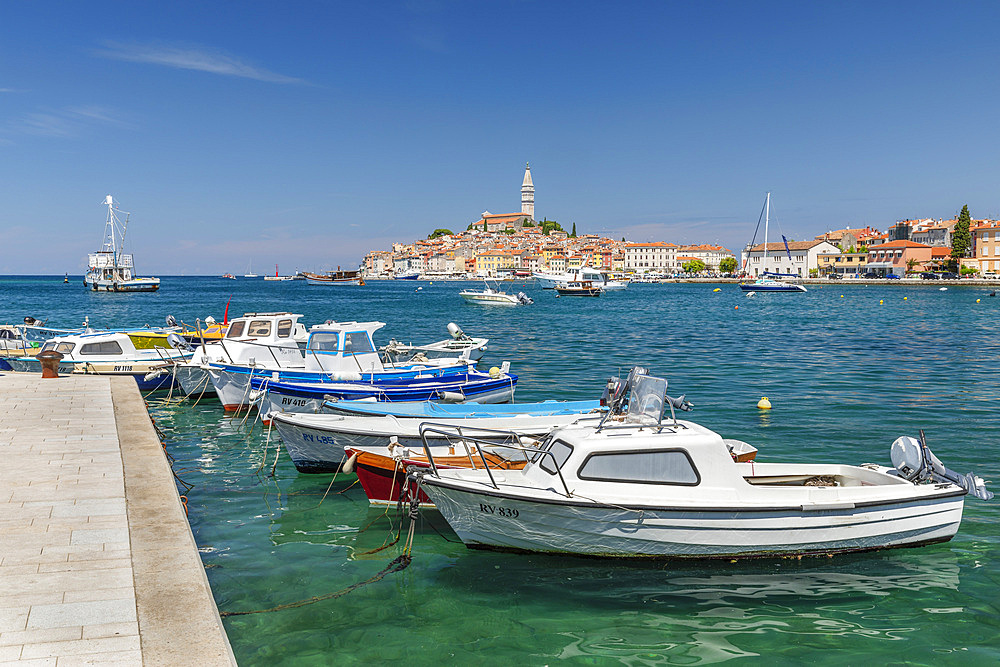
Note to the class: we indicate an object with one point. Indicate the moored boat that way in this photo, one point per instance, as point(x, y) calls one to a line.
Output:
point(111, 269)
point(334, 278)
point(642, 486)
point(494, 296)
point(459, 346)
point(578, 288)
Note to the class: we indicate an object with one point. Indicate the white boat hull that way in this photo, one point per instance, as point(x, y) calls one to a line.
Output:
point(193, 380)
point(489, 519)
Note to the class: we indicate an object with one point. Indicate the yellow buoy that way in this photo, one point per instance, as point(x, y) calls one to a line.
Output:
point(764, 404)
point(904, 298)
point(494, 372)
point(880, 302)
point(717, 289)
point(841, 296)
point(977, 300)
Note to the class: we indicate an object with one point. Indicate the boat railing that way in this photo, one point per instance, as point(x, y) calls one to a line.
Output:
point(479, 436)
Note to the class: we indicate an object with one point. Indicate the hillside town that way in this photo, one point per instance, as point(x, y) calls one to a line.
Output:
point(505, 245)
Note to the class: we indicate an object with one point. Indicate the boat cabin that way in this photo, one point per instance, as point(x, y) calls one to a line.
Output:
point(269, 339)
point(106, 347)
point(343, 346)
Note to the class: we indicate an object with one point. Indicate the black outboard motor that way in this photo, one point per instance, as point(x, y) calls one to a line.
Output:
point(914, 462)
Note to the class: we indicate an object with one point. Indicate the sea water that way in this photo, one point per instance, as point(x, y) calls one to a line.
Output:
point(847, 368)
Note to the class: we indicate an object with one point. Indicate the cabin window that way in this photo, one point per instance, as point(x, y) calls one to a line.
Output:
point(259, 328)
point(560, 452)
point(236, 329)
point(7, 334)
point(61, 348)
point(107, 348)
point(284, 328)
point(325, 341)
point(672, 466)
point(357, 342)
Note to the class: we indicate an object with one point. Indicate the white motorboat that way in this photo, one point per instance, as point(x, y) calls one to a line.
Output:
point(113, 353)
point(316, 442)
point(459, 346)
point(494, 296)
point(644, 486)
point(111, 269)
point(549, 280)
point(264, 336)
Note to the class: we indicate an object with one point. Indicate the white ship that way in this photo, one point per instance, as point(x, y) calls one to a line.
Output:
point(111, 269)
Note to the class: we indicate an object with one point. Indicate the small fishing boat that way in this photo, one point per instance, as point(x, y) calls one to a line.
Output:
point(459, 346)
point(494, 296)
point(382, 470)
point(407, 275)
point(551, 280)
point(334, 278)
point(228, 276)
point(111, 353)
point(316, 443)
point(436, 411)
point(111, 269)
point(639, 485)
point(276, 395)
point(578, 288)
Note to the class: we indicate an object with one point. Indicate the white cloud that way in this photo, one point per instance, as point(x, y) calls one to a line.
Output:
point(67, 122)
point(193, 58)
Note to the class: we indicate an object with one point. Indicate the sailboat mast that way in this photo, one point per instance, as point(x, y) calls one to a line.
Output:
point(767, 215)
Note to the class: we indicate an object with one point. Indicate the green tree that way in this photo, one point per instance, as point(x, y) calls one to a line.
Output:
point(910, 265)
point(485, 226)
point(527, 223)
point(727, 265)
point(694, 266)
point(573, 233)
point(549, 225)
point(440, 232)
point(961, 240)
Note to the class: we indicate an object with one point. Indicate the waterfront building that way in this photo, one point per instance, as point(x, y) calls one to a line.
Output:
point(934, 233)
point(841, 263)
point(711, 255)
point(847, 238)
point(897, 257)
point(986, 246)
point(657, 257)
point(798, 259)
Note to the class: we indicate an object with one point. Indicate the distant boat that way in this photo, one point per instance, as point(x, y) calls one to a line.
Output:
point(407, 275)
point(337, 277)
point(229, 275)
point(277, 277)
point(578, 288)
point(768, 282)
point(111, 269)
point(250, 273)
point(493, 296)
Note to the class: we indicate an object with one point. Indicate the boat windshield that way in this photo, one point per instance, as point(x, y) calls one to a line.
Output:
point(259, 328)
point(236, 329)
point(357, 342)
point(645, 403)
point(284, 328)
point(61, 348)
point(560, 452)
point(324, 341)
point(107, 348)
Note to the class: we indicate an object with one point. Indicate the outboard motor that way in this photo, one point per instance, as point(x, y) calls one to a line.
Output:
point(914, 462)
point(524, 298)
point(171, 321)
point(178, 342)
point(456, 331)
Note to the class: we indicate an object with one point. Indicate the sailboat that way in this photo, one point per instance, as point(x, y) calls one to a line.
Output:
point(767, 282)
point(111, 269)
point(250, 273)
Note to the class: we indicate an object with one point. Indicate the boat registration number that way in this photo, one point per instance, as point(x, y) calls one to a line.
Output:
point(123, 368)
point(293, 401)
point(322, 439)
point(498, 510)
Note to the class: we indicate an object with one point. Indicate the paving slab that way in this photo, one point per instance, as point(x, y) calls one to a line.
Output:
point(90, 515)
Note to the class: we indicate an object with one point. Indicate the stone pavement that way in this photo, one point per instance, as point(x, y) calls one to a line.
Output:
point(97, 561)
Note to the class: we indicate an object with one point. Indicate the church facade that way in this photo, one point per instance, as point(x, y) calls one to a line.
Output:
point(497, 222)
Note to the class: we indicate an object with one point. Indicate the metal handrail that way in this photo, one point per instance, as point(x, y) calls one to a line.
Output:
point(441, 429)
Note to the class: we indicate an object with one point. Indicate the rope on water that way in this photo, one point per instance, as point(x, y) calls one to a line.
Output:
point(398, 564)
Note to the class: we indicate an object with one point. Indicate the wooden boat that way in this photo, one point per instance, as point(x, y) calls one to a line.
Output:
point(579, 288)
point(382, 470)
point(334, 278)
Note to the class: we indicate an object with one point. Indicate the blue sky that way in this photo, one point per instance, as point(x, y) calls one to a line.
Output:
point(306, 133)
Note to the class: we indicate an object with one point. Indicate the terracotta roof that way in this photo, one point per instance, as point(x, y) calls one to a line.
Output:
point(940, 251)
point(792, 245)
point(657, 244)
point(892, 245)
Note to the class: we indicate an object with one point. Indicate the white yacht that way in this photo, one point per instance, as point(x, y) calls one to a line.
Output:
point(548, 280)
point(494, 296)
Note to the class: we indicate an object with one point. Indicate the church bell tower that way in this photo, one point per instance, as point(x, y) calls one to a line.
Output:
point(528, 194)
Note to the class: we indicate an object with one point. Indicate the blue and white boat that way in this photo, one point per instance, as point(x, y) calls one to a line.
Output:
point(769, 284)
point(336, 352)
point(282, 396)
point(430, 410)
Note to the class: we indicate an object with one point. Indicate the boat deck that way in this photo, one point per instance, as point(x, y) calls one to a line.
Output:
point(97, 560)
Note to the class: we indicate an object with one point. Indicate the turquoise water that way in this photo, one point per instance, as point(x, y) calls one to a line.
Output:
point(846, 375)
